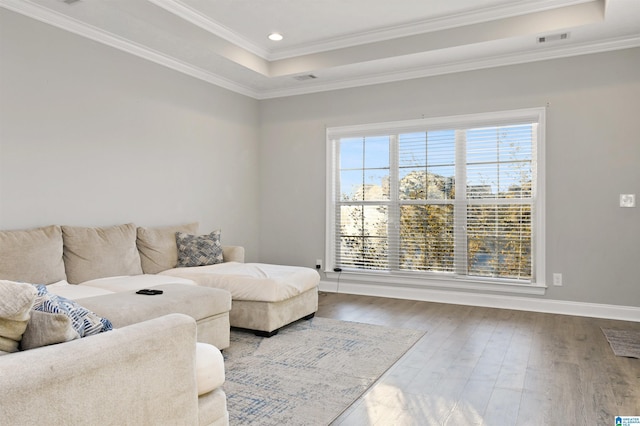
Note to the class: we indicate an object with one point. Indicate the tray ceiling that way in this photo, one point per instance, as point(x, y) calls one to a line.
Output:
point(332, 44)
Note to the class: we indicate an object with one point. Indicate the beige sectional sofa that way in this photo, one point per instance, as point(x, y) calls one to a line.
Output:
point(88, 262)
point(101, 269)
point(158, 366)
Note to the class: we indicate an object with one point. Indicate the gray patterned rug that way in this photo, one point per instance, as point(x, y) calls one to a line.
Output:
point(310, 372)
point(623, 342)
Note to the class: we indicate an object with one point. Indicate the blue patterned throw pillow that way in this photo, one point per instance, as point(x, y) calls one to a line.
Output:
point(200, 250)
point(85, 322)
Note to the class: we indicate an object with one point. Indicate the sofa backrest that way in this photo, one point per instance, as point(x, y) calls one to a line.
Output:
point(32, 256)
point(54, 253)
point(157, 246)
point(91, 253)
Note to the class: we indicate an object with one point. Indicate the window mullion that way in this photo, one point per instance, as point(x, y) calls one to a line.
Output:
point(460, 205)
point(334, 254)
point(393, 226)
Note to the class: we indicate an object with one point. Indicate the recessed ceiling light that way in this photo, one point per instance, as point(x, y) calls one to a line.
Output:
point(275, 37)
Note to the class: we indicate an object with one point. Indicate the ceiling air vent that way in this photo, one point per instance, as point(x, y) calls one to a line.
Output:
point(553, 37)
point(305, 77)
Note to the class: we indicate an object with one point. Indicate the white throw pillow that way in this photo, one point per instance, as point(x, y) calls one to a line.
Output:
point(16, 300)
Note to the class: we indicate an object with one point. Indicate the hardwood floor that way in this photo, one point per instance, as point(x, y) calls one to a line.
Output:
point(483, 366)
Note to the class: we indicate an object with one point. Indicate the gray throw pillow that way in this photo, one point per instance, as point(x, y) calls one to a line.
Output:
point(46, 328)
point(200, 250)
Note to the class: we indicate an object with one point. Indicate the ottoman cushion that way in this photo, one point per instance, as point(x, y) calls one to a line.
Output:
point(252, 281)
point(127, 307)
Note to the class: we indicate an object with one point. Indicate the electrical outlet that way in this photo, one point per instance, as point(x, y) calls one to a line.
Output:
point(557, 279)
point(318, 263)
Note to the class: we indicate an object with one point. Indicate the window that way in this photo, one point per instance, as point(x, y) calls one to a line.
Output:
point(457, 198)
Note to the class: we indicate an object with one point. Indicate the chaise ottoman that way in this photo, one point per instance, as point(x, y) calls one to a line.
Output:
point(265, 297)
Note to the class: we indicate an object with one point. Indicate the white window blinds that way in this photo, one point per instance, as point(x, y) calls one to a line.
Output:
point(452, 197)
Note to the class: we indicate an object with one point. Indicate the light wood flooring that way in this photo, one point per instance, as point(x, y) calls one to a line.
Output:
point(482, 366)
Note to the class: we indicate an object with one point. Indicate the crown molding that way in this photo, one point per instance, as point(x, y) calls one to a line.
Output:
point(462, 66)
point(66, 23)
point(476, 16)
point(486, 14)
point(187, 13)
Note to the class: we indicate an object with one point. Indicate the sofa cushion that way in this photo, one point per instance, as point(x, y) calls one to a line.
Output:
point(33, 255)
point(157, 246)
point(91, 253)
point(45, 328)
point(209, 368)
point(16, 300)
point(77, 291)
point(200, 250)
point(131, 282)
point(84, 322)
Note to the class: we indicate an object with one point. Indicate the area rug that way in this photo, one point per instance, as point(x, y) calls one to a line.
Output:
point(623, 342)
point(310, 372)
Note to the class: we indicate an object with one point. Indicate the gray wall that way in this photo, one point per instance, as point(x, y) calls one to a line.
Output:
point(593, 155)
point(93, 136)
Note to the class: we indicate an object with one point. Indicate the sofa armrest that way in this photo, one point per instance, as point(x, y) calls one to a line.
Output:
point(233, 253)
point(133, 375)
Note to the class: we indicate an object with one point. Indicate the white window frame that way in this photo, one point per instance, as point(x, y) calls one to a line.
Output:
point(537, 286)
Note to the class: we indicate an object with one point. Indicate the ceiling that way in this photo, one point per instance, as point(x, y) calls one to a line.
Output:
point(333, 44)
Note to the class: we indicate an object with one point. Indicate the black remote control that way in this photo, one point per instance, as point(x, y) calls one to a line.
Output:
point(149, 292)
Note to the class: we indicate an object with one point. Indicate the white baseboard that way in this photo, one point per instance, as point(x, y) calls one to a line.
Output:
point(594, 310)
